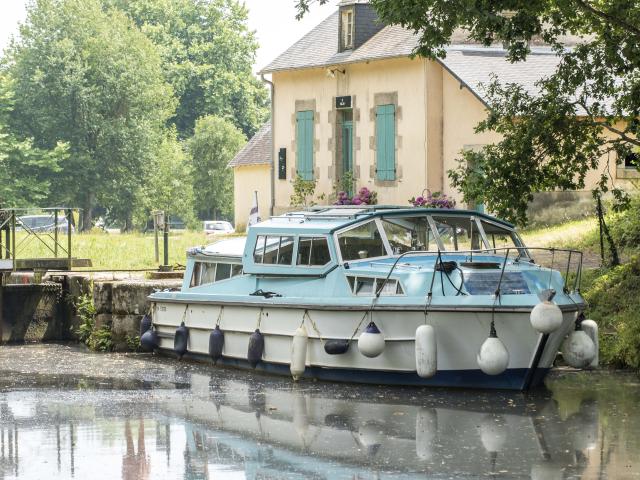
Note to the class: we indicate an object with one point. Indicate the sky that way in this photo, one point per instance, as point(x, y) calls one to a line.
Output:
point(273, 20)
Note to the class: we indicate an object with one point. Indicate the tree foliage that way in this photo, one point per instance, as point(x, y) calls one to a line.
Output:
point(87, 76)
point(213, 145)
point(586, 111)
point(98, 99)
point(25, 171)
point(165, 187)
point(207, 51)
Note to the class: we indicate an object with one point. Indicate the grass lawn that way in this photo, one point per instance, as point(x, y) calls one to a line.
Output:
point(574, 234)
point(117, 251)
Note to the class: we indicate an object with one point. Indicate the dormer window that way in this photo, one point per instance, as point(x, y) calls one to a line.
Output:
point(347, 29)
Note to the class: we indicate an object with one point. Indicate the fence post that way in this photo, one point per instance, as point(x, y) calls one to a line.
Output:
point(55, 233)
point(13, 238)
point(69, 220)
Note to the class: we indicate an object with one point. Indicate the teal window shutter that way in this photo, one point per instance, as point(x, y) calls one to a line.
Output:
point(386, 142)
point(304, 144)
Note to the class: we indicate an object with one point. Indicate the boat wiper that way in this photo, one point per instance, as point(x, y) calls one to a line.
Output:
point(262, 293)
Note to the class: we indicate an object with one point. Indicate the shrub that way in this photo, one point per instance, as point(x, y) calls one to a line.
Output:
point(433, 200)
point(614, 302)
point(87, 313)
point(363, 197)
point(625, 226)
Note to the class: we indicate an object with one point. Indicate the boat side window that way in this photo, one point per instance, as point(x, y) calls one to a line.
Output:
point(203, 273)
point(368, 286)
point(500, 237)
point(363, 241)
point(223, 271)
point(236, 270)
point(458, 233)
point(206, 272)
point(313, 252)
point(273, 250)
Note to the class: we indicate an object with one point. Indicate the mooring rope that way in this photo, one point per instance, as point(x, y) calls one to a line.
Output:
point(220, 316)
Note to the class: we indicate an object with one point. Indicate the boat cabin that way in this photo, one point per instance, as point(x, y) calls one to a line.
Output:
point(315, 242)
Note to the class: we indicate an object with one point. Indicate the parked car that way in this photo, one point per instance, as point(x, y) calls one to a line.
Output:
point(218, 227)
point(42, 223)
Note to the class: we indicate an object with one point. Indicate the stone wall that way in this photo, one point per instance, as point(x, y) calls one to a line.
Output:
point(120, 303)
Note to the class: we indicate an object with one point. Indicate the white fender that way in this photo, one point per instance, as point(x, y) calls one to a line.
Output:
point(426, 351)
point(300, 416)
point(299, 352)
point(493, 357)
point(371, 341)
point(546, 317)
point(578, 350)
point(591, 328)
point(493, 433)
point(426, 431)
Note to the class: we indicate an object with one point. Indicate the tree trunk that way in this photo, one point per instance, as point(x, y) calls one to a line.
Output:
point(128, 222)
point(87, 217)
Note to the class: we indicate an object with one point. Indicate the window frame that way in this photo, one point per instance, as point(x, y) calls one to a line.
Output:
point(352, 281)
point(347, 34)
point(383, 237)
point(280, 236)
point(297, 249)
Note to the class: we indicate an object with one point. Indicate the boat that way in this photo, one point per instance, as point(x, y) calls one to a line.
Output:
point(379, 295)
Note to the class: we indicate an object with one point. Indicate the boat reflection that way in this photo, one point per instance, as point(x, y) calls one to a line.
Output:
point(260, 428)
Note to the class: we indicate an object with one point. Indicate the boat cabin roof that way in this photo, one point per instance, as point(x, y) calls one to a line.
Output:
point(327, 220)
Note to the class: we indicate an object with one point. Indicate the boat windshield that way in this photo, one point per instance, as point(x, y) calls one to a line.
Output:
point(411, 233)
point(499, 237)
point(363, 241)
point(432, 233)
point(458, 233)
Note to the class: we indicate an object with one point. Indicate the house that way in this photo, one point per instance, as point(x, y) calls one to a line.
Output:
point(348, 99)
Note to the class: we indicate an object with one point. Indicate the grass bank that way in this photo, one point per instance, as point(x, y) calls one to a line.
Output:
point(114, 251)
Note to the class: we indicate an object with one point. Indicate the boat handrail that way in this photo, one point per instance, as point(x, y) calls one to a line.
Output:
point(443, 253)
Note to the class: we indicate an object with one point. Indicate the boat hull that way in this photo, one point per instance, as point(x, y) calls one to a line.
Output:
point(459, 337)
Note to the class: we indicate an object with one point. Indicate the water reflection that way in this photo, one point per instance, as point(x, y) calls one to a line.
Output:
point(221, 424)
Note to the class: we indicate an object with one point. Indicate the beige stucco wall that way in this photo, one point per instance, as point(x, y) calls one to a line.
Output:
point(246, 180)
point(402, 77)
point(436, 119)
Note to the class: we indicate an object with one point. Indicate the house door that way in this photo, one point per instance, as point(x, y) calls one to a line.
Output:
point(347, 151)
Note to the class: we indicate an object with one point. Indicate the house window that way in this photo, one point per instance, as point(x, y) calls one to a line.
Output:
point(304, 144)
point(632, 160)
point(347, 29)
point(386, 142)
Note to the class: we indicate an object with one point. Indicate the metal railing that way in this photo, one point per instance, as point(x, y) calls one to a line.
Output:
point(523, 256)
point(54, 237)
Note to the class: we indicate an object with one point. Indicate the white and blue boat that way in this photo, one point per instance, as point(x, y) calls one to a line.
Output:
point(383, 295)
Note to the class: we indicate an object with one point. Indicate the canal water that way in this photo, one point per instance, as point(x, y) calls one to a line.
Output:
point(66, 413)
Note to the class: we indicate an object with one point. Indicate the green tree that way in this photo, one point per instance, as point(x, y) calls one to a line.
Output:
point(25, 171)
point(207, 52)
point(168, 185)
point(214, 143)
point(87, 76)
point(588, 109)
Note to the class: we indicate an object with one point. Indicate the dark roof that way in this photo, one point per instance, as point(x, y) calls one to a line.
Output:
point(472, 64)
point(257, 151)
point(319, 48)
